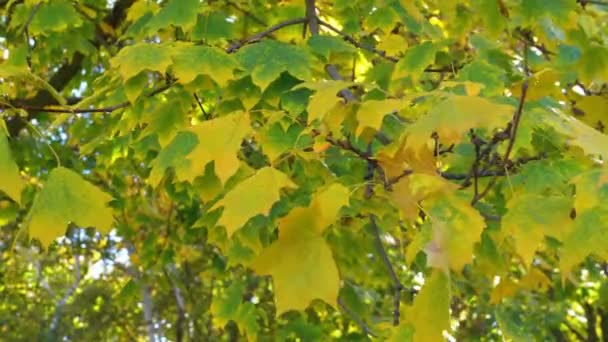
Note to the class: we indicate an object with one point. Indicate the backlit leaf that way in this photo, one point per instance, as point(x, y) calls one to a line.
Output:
point(133, 59)
point(68, 198)
point(266, 61)
point(189, 61)
point(300, 261)
point(10, 181)
point(251, 197)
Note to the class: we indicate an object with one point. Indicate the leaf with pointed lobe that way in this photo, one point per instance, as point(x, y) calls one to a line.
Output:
point(267, 59)
point(190, 61)
point(68, 198)
point(179, 13)
point(372, 112)
point(300, 261)
point(133, 59)
point(251, 197)
point(10, 180)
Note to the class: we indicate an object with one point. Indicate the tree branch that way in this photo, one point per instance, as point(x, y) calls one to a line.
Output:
point(364, 327)
point(256, 37)
point(384, 256)
point(332, 70)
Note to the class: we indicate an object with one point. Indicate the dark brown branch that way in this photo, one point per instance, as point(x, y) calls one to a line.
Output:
point(380, 53)
point(354, 42)
point(200, 105)
point(591, 322)
point(364, 327)
point(332, 70)
point(512, 136)
point(575, 331)
point(389, 266)
point(108, 109)
point(256, 37)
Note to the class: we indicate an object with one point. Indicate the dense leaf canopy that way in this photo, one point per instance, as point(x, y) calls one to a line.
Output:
point(301, 170)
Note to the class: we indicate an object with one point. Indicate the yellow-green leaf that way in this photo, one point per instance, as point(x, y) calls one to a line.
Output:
point(300, 261)
point(219, 141)
point(190, 61)
point(10, 181)
point(372, 112)
point(325, 97)
point(530, 217)
point(68, 198)
point(251, 197)
point(457, 227)
point(133, 59)
point(429, 315)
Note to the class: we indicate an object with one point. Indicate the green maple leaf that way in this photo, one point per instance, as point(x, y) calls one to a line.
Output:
point(228, 306)
point(212, 27)
point(190, 61)
point(173, 155)
point(67, 198)
point(181, 13)
point(134, 59)
point(57, 15)
point(266, 61)
point(416, 59)
point(325, 46)
point(588, 235)
point(10, 180)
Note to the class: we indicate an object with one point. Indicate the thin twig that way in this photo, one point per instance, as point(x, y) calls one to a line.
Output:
point(247, 13)
point(389, 266)
point(380, 53)
point(512, 136)
point(108, 109)
point(200, 105)
point(332, 70)
point(364, 327)
point(256, 37)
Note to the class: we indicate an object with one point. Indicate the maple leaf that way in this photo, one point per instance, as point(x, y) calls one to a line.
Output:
point(133, 59)
point(300, 261)
point(325, 97)
point(530, 217)
point(372, 112)
point(10, 180)
point(58, 15)
point(453, 117)
point(219, 140)
point(588, 235)
point(456, 228)
point(410, 191)
point(415, 60)
point(228, 306)
point(180, 13)
point(429, 315)
point(67, 198)
point(253, 196)
point(266, 61)
point(190, 61)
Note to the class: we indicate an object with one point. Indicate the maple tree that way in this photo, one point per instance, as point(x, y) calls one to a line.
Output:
point(303, 170)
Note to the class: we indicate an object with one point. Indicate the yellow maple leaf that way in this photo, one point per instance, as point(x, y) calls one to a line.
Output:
point(413, 189)
point(65, 198)
point(372, 112)
point(218, 141)
point(300, 261)
point(393, 44)
point(452, 118)
point(254, 196)
point(325, 97)
point(456, 228)
point(530, 217)
point(429, 315)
